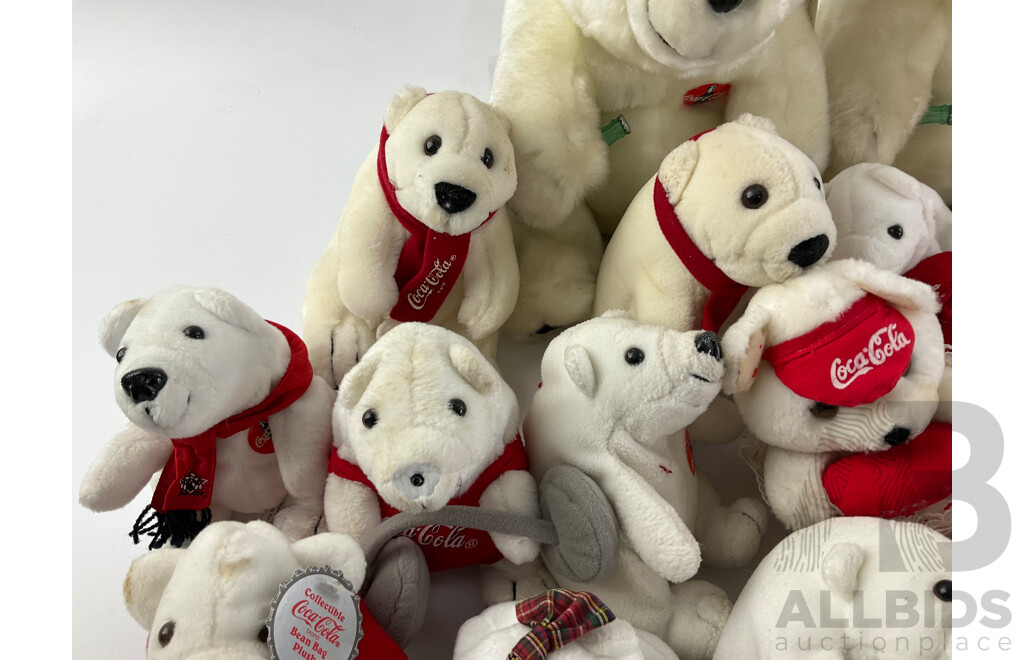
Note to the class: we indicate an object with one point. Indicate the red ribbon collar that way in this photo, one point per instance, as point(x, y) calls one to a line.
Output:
point(430, 261)
point(186, 482)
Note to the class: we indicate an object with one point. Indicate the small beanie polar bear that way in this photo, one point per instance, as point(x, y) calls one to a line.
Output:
point(223, 404)
point(672, 68)
point(212, 601)
point(423, 421)
point(558, 624)
point(731, 208)
point(837, 372)
point(615, 401)
point(847, 588)
point(424, 235)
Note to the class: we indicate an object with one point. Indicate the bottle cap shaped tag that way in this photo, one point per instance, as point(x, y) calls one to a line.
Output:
point(315, 616)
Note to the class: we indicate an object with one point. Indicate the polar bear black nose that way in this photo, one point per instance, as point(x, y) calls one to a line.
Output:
point(897, 436)
point(707, 342)
point(810, 251)
point(417, 481)
point(143, 384)
point(724, 6)
point(453, 198)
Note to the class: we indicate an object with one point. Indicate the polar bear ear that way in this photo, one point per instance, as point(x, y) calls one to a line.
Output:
point(116, 323)
point(938, 216)
point(355, 382)
point(580, 367)
point(896, 289)
point(339, 551)
point(897, 181)
point(473, 367)
point(742, 347)
point(763, 123)
point(676, 169)
point(230, 309)
point(840, 568)
point(404, 101)
point(146, 581)
point(502, 118)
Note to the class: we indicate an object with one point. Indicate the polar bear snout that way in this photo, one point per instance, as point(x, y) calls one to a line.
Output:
point(809, 252)
point(453, 198)
point(144, 384)
point(897, 436)
point(724, 6)
point(707, 343)
point(417, 481)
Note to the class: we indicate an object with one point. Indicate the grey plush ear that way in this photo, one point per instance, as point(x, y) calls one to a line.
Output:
point(146, 581)
point(116, 323)
point(355, 382)
point(473, 367)
point(677, 168)
point(580, 368)
point(339, 551)
point(404, 101)
point(230, 309)
point(840, 568)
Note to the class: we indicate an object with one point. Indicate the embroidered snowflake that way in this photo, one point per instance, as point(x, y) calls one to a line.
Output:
point(192, 484)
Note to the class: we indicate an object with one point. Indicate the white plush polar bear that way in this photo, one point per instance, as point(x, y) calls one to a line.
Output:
point(422, 421)
point(890, 86)
point(736, 207)
point(424, 235)
point(843, 360)
point(673, 68)
point(614, 402)
point(211, 602)
point(224, 402)
point(587, 635)
point(847, 588)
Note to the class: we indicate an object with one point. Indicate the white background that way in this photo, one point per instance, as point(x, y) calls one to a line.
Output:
point(214, 143)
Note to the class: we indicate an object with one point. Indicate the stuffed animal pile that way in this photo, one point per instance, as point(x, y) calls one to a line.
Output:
point(739, 291)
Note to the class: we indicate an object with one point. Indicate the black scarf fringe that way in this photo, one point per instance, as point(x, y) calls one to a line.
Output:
point(179, 527)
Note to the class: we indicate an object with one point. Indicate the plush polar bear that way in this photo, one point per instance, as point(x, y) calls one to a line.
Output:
point(422, 421)
point(735, 207)
point(589, 631)
point(211, 602)
point(847, 588)
point(224, 402)
point(672, 68)
point(424, 235)
point(890, 86)
point(614, 402)
point(842, 361)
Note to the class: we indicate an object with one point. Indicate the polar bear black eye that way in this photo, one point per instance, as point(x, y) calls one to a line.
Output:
point(943, 590)
point(166, 633)
point(823, 410)
point(263, 634)
point(432, 144)
point(754, 196)
point(487, 158)
point(634, 356)
point(194, 332)
point(457, 406)
point(817, 183)
point(370, 418)
point(896, 231)
point(120, 353)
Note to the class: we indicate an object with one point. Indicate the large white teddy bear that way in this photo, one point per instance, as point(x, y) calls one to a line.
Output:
point(212, 601)
point(224, 403)
point(841, 366)
point(672, 68)
point(890, 86)
point(424, 420)
point(615, 400)
point(847, 588)
point(424, 235)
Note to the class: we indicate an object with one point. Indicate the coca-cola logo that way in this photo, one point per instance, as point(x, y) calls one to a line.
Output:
point(883, 344)
point(315, 617)
point(440, 536)
point(432, 283)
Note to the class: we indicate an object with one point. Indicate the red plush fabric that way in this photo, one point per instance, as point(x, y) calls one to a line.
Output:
point(376, 643)
point(937, 270)
point(897, 482)
point(448, 547)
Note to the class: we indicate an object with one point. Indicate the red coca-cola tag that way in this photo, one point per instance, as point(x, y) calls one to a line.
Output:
point(706, 93)
point(260, 439)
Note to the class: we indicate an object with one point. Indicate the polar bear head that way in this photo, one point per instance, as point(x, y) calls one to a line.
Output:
point(750, 201)
point(886, 217)
point(449, 158)
point(211, 601)
point(861, 345)
point(189, 357)
point(423, 414)
point(647, 380)
point(684, 35)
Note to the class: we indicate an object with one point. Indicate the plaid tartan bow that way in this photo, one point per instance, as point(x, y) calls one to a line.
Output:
point(558, 617)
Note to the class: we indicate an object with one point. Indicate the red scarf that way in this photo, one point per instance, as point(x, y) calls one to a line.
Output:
point(186, 483)
point(855, 359)
point(937, 270)
point(725, 293)
point(430, 262)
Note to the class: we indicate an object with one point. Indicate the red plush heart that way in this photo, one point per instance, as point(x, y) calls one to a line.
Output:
point(894, 483)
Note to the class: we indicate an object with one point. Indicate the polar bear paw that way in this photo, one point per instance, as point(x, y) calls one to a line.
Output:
point(517, 549)
point(701, 612)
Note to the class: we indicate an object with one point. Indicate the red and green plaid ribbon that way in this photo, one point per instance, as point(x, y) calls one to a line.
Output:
point(558, 617)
